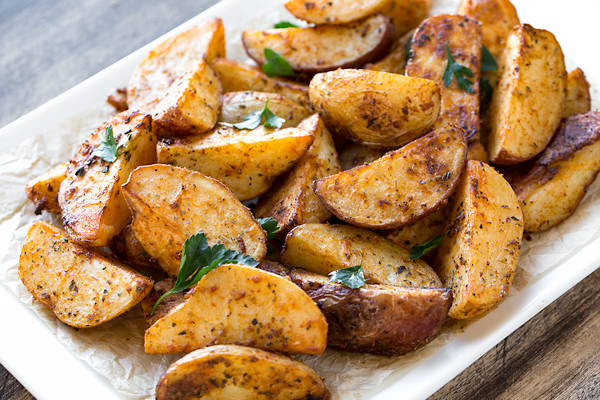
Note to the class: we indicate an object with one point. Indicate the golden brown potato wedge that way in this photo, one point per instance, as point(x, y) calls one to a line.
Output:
point(421, 231)
point(478, 258)
point(354, 154)
point(175, 84)
point(530, 97)
point(395, 61)
point(429, 61)
point(324, 48)
point(236, 76)
point(236, 105)
point(406, 14)
point(323, 248)
point(92, 206)
point(127, 247)
point(82, 287)
point(43, 190)
point(400, 187)
point(332, 12)
point(578, 94)
point(377, 319)
point(292, 200)
point(118, 99)
point(237, 304)
point(476, 151)
point(229, 372)
point(166, 305)
point(247, 161)
point(170, 204)
point(375, 107)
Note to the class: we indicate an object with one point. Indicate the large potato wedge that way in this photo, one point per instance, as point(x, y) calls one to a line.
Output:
point(478, 258)
point(395, 61)
point(175, 84)
point(43, 190)
point(578, 94)
point(429, 61)
point(323, 248)
point(377, 319)
point(246, 161)
point(92, 206)
point(237, 304)
point(292, 200)
point(375, 107)
point(400, 187)
point(529, 100)
point(324, 48)
point(406, 14)
point(229, 372)
point(354, 154)
point(236, 76)
point(170, 204)
point(324, 12)
point(82, 287)
point(555, 184)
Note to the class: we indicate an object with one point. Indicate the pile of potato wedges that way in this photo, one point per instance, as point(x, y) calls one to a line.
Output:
point(406, 152)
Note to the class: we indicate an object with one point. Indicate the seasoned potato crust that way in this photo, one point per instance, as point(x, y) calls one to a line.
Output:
point(43, 190)
point(578, 94)
point(332, 12)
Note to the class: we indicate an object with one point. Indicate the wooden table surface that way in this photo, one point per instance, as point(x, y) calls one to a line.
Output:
point(48, 47)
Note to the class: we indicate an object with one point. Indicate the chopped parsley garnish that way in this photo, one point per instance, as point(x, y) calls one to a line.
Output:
point(107, 148)
point(270, 226)
point(254, 119)
point(408, 47)
point(460, 72)
point(285, 24)
point(353, 277)
point(419, 250)
point(486, 90)
point(276, 65)
point(487, 60)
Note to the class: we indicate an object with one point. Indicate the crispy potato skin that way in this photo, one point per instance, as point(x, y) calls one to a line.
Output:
point(355, 154)
point(400, 187)
point(406, 14)
point(578, 94)
point(376, 319)
point(323, 248)
point(478, 258)
point(333, 12)
point(395, 61)
point(375, 107)
point(241, 305)
point(82, 287)
point(242, 373)
point(170, 204)
point(529, 100)
point(92, 205)
point(324, 48)
point(292, 200)
point(166, 305)
point(127, 247)
point(43, 190)
point(429, 61)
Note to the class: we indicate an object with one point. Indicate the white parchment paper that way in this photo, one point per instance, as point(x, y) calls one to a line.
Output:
point(115, 349)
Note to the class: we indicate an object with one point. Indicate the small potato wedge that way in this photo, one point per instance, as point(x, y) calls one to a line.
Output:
point(229, 372)
point(92, 206)
point(292, 200)
point(236, 105)
point(82, 287)
point(375, 107)
point(43, 190)
point(529, 100)
point(376, 319)
point(166, 305)
point(421, 231)
point(170, 204)
point(323, 248)
point(429, 61)
point(578, 94)
point(324, 48)
point(175, 84)
point(395, 61)
point(127, 247)
point(400, 187)
point(476, 151)
point(478, 258)
point(333, 12)
point(246, 161)
point(355, 154)
point(237, 304)
point(406, 14)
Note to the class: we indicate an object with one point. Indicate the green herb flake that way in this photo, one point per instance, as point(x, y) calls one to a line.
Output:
point(460, 72)
point(408, 47)
point(486, 90)
point(353, 277)
point(285, 24)
point(270, 226)
point(487, 60)
point(419, 250)
point(107, 148)
point(253, 120)
point(276, 65)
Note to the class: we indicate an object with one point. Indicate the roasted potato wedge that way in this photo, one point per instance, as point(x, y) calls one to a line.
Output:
point(166, 305)
point(400, 187)
point(248, 162)
point(395, 61)
point(82, 287)
point(375, 107)
point(529, 100)
point(354, 154)
point(170, 204)
point(236, 105)
point(175, 84)
point(476, 151)
point(478, 258)
point(242, 373)
point(324, 48)
point(555, 184)
point(127, 247)
point(421, 231)
point(92, 207)
point(578, 94)
point(237, 304)
point(429, 61)
point(377, 319)
point(332, 12)
point(406, 14)
point(323, 248)
point(292, 200)
point(43, 190)
point(118, 99)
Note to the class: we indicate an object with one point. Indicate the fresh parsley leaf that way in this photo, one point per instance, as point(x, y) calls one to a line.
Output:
point(271, 119)
point(353, 277)
point(460, 72)
point(270, 226)
point(254, 119)
point(107, 148)
point(285, 24)
point(419, 250)
point(486, 90)
point(408, 47)
point(198, 259)
point(276, 65)
point(487, 60)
